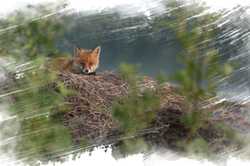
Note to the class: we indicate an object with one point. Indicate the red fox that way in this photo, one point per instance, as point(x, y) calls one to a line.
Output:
point(84, 61)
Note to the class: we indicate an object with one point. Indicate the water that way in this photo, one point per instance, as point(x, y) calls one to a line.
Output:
point(133, 39)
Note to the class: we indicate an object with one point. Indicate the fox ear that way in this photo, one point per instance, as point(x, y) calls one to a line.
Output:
point(76, 51)
point(97, 51)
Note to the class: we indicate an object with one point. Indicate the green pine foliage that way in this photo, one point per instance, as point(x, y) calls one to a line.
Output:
point(200, 58)
point(29, 34)
point(134, 112)
point(37, 106)
point(202, 66)
point(195, 30)
point(130, 146)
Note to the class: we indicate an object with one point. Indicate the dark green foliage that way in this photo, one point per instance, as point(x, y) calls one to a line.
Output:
point(161, 78)
point(201, 68)
point(134, 112)
point(198, 147)
point(31, 38)
point(38, 106)
point(39, 110)
point(129, 146)
point(40, 138)
point(199, 56)
point(193, 120)
point(130, 74)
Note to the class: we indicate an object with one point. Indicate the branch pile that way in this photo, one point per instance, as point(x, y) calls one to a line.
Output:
point(90, 117)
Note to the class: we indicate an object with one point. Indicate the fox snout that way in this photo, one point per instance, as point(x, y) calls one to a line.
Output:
point(89, 70)
point(86, 71)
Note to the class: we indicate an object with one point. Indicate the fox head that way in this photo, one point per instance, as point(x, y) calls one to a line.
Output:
point(87, 60)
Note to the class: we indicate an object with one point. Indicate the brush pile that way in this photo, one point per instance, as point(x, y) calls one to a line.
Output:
point(90, 117)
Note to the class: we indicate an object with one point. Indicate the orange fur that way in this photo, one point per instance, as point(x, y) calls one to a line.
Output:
point(83, 61)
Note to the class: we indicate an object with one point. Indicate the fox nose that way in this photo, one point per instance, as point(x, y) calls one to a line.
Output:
point(86, 70)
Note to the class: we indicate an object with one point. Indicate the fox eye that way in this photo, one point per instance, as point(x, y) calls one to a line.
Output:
point(82, 63)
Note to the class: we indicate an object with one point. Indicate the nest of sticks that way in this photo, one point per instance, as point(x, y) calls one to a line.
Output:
point(90, 117)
